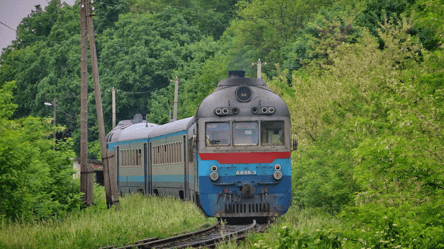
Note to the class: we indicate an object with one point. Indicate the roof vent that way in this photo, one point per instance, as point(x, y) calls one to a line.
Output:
point(137, 118)
point(236, 74)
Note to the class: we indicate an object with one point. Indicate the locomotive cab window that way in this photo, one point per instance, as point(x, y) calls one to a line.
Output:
point(217, 134)
point(245, 133)
point(272, 133)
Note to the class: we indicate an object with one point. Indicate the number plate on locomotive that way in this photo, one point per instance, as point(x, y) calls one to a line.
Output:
point(245, 172)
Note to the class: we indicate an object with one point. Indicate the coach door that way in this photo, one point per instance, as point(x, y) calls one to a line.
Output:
point(185, 173)
point(149, 177)
point(118, 168)
point(145, 169)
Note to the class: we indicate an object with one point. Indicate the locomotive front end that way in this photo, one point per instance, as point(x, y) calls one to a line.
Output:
point(244, 165)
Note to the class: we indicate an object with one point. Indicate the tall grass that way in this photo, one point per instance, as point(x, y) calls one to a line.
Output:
point(139, 217)
point(306, 220)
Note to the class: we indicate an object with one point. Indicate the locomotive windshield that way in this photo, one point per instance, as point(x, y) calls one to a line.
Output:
point(272, 133)
point(217, 134)
point(245, 133)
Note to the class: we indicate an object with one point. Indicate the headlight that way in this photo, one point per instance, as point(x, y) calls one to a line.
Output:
point(214, 176)
point(277, 175)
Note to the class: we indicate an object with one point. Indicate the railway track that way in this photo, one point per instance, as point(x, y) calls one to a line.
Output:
point(208, 237)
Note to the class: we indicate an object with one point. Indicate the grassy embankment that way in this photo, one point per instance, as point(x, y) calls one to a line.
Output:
point(139, 218)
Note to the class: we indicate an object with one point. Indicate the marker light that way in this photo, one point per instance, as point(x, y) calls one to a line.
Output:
point(213, 168)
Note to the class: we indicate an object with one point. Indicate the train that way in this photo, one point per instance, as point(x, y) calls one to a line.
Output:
point(232, 158)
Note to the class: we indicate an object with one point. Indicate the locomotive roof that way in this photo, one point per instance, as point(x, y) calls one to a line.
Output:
point(225, 96)
point(179, 125)
point(239, 81)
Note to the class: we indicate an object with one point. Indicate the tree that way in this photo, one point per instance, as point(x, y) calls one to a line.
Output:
point(108, 13)
point(211, 17)
point(376, 12)
point(37, 25)
point(269, 25)
point(36, 181)
point(141, 56)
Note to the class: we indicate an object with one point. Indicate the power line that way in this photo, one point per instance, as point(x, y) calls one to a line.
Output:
point(8, 26)
point(172, 6)
point(156, 88)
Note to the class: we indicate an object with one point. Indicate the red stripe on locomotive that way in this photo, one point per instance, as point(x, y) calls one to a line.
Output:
point(249, 157)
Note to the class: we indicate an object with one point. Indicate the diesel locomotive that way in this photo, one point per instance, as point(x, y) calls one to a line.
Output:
point(232, 158)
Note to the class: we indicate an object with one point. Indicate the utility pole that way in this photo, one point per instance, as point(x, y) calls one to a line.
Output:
point(113, 95)
point(114, 107)
point(54, 112)
point(109, 173)
point(54, 108)
point(176, 98)
point(86, 171)
point(259, 68)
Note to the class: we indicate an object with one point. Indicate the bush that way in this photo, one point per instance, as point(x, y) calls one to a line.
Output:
point(36, 181)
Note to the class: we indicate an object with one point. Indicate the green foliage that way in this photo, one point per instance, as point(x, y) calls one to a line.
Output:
point(269, 25)
point(322, 175)
point(321, 36)
point(371, 123)
point(300, 228)
point(387, 227)
point(209, 65)
point(36, 181)
point(377, 12)
point(291, 237)
point(211, 17)
point(108, 13)
point(141, 55)
point(429, 28)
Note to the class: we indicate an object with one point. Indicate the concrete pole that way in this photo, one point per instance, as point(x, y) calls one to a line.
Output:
point(54, 110)
point(114, 106)
point(259, 68)
point(176, 98)
point(112, 197)
point(87, 197)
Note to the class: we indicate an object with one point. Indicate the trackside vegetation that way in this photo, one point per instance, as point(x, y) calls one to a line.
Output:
point(363, 80)
point(139, 218)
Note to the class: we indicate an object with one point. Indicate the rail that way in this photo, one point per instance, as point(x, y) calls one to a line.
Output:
point(208, 237)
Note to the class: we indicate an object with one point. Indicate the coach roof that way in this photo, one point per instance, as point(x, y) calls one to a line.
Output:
point(179, 125)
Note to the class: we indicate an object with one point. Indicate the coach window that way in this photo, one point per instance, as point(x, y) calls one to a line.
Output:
point(170, 153)
point(217, 134)
point(245, 133)
point(272, 133)
point(125, 158)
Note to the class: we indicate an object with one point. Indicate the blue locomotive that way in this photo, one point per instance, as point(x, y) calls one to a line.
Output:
point(232, 158)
